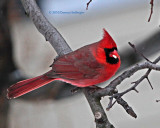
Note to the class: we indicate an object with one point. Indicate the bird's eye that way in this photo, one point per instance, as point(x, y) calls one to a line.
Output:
point(114, 56)
point(112, 59)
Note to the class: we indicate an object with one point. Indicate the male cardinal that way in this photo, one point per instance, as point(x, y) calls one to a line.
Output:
point(87, 66)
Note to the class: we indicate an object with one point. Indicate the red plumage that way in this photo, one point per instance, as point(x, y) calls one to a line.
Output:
point(87, 66)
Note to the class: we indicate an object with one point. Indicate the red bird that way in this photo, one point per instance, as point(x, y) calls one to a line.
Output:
point(87, 66)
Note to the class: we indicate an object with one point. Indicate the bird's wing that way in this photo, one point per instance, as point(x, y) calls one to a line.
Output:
point(80, 64)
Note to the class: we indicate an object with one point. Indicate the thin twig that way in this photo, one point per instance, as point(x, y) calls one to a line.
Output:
point(138, 52)
point(125, 105)
point(147, 73)
point(111, 103)
point(149, 82)
point(151, 3)
point(157, 100)
point(88, 4)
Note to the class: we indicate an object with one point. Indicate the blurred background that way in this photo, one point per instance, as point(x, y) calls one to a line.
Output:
point(24, 53)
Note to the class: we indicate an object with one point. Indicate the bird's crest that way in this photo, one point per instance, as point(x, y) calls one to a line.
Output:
point(107, 41)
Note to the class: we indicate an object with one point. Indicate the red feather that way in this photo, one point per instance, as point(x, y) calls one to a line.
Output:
point(26, 86)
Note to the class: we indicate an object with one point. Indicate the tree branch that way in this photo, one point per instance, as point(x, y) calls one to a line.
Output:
point(128, 73)
point(138, 52)
point(45, 27)
point(88, 4)
point(97, 109)
point(151, 3)
point(59, 44)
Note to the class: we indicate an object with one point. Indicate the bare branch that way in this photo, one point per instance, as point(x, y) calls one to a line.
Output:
point(143, 77)
point(118, 80)
point(117, 96)
point(126, 74)
point(111, 103)
point(149, 82)
point(125, 105)
point(157, 100)
point(97, 109)
point(151, 2)
point(45, 27)
point(88, 4)
point(138, 52)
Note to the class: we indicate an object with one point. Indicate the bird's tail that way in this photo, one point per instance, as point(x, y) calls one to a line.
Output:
point(28, 85)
